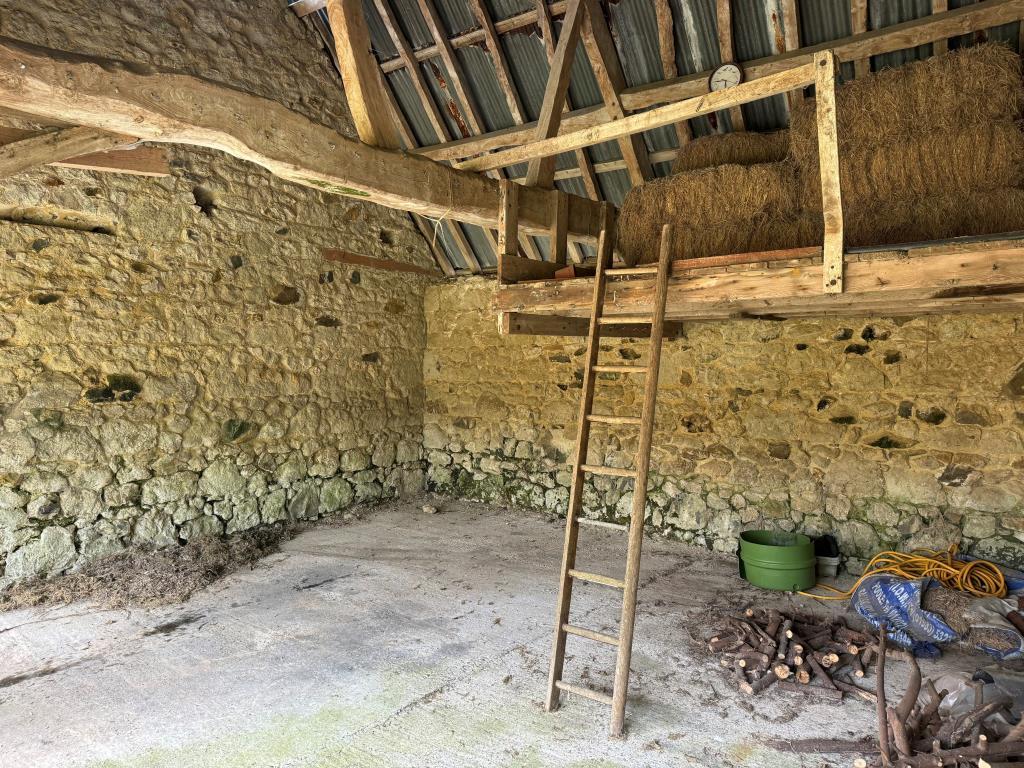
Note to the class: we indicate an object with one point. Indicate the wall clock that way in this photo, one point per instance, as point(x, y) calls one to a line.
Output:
point(725, 76)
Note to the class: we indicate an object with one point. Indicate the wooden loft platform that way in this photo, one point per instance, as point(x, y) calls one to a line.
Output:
point(976, 274)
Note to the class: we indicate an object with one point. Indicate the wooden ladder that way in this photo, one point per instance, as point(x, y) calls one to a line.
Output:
point(628, 584)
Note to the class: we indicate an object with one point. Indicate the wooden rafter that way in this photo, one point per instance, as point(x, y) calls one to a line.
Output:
point(790, 41)
point(470, 113)
point(726, 52)
point(483, 18)
point(859, 26)
point(985, 14)
point(797, 76)
point(541, 171)
point(604, 60)
point(940, 6)
point(54, 146)
point(667, 51)
point(169, 107)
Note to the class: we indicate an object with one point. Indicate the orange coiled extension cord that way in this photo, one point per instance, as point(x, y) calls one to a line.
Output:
point(979, 578)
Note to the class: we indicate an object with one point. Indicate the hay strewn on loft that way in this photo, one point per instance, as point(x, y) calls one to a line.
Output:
point(739, 148)
point(927, 151)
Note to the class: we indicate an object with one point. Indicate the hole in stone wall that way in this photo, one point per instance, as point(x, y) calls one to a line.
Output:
point(42, 299)
point(371, 357)
point(61, 218)
point(825, 402)
point(286, 294)
point(386, 238)
point(933, 415)
point(237, 430)
point(955, 475)
point(629, 354)
point(801, 347)
point(236, 262)
point(560, 357)
point(119, 386)
point(905, 409)
point(355, 278)
point(889, 442)
point(844, 420)
point(891, 358)
point(856, 349)
point(695, 424)
point(328, 321)
point(843, 334)
point(281, 231)
point(326, 278)
point(91, 191)
point(204, 200)
point(779, 450)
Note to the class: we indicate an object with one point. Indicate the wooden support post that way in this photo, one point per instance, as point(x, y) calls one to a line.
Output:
point(559, 223)
point(604, 59)
point(541, 170)
point(726, 53)
point(53, 146)
point(791, 41)
point(859, 26)
point(828, 159)
point(942, 45)
point(508, 222)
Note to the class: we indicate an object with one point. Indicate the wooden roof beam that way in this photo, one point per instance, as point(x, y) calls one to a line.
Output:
point(483, 18)
point(795, 77)
point(170, 107)
point(54, 146)
point(727, 54)
point(927, 29)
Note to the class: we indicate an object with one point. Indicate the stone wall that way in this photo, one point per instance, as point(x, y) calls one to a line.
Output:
point(889, 433)
point(195, 366)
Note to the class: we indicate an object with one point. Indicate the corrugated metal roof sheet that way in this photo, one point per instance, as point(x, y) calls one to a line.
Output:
point(757, 32)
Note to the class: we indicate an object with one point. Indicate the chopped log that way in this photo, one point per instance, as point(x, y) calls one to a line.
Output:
point(774, 621)
point(913, 689)
point(760, 684)
point(783, 637)
point(782, 670)
point(899, 732)
point(854, 690)
point(818, 746)
point(942, 757)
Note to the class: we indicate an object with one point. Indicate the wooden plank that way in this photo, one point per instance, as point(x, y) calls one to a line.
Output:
point(828, 161)
point(969, 276)
point(405, 52)
point(941, 45)
point(559, 221)
point(483, 18)
point(519, 324)
point(53, 146)
point(985, 14)
point(388, 265)
point(364, 83)
point(859, 26)
point(514, 269)
point(797, 76)
point(508, 233)
point(790, 41)
point(541, 170)
point(604, 60)
point(170, 107)
point(726, 54)
point(134, 160)
point(667, 51)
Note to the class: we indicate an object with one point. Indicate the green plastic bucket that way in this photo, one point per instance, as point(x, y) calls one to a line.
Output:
point(777, 560)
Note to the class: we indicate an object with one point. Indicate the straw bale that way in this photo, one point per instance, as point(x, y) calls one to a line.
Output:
point(737, 148)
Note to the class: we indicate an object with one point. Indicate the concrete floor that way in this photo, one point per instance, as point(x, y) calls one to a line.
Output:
point(402, 639)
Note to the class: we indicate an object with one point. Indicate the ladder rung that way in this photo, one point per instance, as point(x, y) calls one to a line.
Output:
point(587, 693)
point(589, 634)
point(597, 578)
point(620, 368)
point(601, 524)
point(596, 469)
point(607, 418)
point(625, 320)
point(651, 269)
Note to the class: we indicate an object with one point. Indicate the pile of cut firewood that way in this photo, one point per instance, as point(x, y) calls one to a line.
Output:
point(804, 654)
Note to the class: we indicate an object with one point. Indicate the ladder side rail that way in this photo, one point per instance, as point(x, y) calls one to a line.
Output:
point(643, 462)
point(606, 245)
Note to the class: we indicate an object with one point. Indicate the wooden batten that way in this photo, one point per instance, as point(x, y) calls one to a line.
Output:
point(134, 160)
point(828, 162)
point(973, 275)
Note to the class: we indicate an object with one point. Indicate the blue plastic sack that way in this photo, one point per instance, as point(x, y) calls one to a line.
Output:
point(897, 602)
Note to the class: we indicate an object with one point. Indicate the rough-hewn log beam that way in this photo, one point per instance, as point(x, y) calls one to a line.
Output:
point(988, 13)
point(170, 107)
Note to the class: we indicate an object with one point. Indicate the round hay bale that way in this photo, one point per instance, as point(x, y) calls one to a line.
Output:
point(737, 148)
point(943, 94)
point(978, 157)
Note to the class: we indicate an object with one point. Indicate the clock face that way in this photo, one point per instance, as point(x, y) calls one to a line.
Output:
point(726, 76)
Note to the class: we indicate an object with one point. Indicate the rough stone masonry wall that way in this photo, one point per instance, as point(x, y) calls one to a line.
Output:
point(889, 433)
point(201, 369)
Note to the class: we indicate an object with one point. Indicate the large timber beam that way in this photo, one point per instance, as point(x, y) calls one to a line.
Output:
point(171, 107)
point(54, 146)
point(976, 275)
point(927, 29)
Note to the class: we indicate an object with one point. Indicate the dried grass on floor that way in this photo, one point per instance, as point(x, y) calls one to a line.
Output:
point(143, 577)
point(738, 148)
point(943, 94)
point(718, 208)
